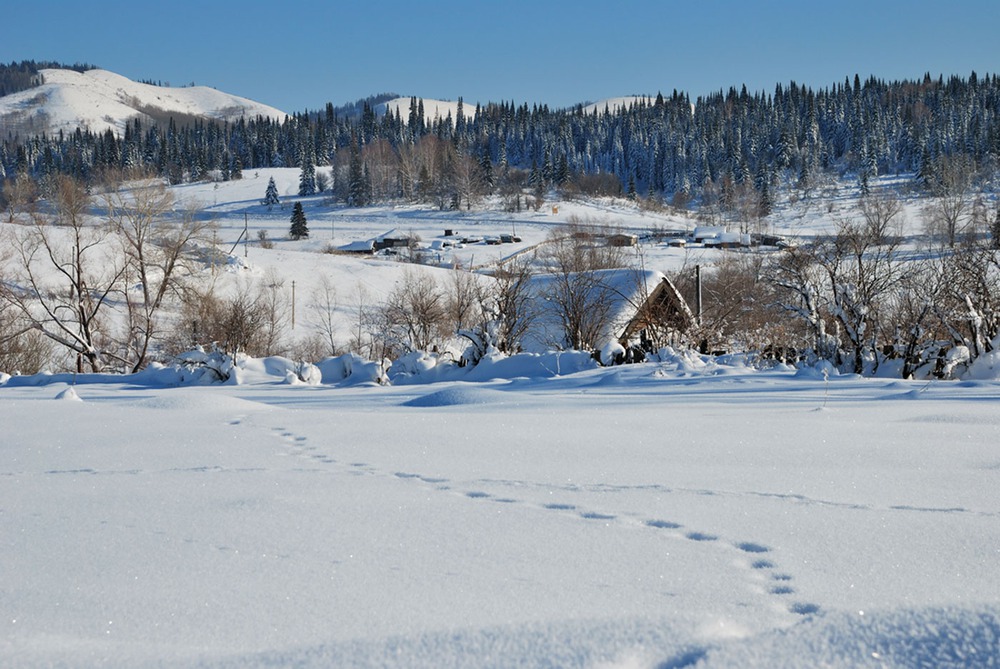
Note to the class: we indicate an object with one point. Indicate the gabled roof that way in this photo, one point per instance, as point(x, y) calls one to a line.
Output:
point(393, 234)
point(636, 299)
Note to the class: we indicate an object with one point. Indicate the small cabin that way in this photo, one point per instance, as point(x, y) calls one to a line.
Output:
point(623, 240)
point(393, 239)
point(705, 234)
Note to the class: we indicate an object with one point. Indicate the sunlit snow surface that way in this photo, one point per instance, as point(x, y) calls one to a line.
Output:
point(692, 512)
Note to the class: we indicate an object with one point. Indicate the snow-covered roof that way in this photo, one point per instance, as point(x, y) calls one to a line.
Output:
point(366, 246)
point(624, 289)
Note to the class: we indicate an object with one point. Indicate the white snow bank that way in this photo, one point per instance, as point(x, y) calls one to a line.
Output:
point(935, 637)
point(199, 401)
point(459, 395)
point(349, 369)
point(987, 366)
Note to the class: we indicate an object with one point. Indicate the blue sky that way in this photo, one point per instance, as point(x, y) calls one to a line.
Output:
point(301, 55)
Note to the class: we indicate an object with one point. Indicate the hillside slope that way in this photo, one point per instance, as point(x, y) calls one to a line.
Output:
point(100, 100)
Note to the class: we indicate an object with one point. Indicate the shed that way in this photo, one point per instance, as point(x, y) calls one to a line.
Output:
point(663, 313)
point(639, 307)
point(622, 239)
point(707, 233)
point(393, 239)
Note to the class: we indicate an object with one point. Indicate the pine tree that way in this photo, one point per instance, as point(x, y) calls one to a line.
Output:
point(307, 176)
point(298, 230)
point(356, 190)
point(271, 195)
point(995, 227)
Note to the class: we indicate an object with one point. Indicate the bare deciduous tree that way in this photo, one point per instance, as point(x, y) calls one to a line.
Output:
point(861, 269)
point(322, 309)
point(67, 271)
point(577, 292)
point(252, 320)
point(970, 309)
point(19, 195)
point(23, 349)
point(413, 315)
point(882, 212)
point(796, 275)
point(948, 211)
point(506, 311)
point(156, 245)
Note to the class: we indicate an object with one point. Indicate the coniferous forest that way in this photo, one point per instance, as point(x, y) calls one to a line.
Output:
point(669, 147)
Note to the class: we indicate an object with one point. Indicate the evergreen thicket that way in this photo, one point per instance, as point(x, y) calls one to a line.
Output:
point(17, 77)
point(671, 147)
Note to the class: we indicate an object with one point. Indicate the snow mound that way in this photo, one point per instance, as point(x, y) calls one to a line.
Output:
point(200, 402)
point(583, 644)
point(459, 395)
point(987, 366)
point(349, 369)
point(69, 394)
point(943, 637)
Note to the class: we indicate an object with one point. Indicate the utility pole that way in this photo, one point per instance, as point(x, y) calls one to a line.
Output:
point(697, 295)
point(246, 234)
point(293, 305)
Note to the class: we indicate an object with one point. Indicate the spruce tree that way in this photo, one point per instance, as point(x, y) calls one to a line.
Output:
point(356, 190)
point(298, 230)
point(271, 196)
point(307, 176)
point(995, 227)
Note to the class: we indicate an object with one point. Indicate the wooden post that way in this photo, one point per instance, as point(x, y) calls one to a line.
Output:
point(697, 295)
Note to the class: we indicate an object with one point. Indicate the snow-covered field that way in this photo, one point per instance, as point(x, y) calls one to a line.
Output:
point(693, 511)
point(537, 511)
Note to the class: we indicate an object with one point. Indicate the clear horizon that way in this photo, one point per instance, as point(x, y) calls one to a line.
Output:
point(555, 53)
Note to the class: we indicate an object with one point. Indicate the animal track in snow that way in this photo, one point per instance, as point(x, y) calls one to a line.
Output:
point(780, 582)
point(701, 536)
point(804, 609)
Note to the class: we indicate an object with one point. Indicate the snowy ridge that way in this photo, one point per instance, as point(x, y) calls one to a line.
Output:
point(440, 109)
point(443, 108)
point(100, 100)
point(614, 104)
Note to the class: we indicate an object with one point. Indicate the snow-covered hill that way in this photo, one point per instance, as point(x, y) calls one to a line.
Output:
point(100, 100)
point(614, 104)
point(443, 108)
point(432, 109)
